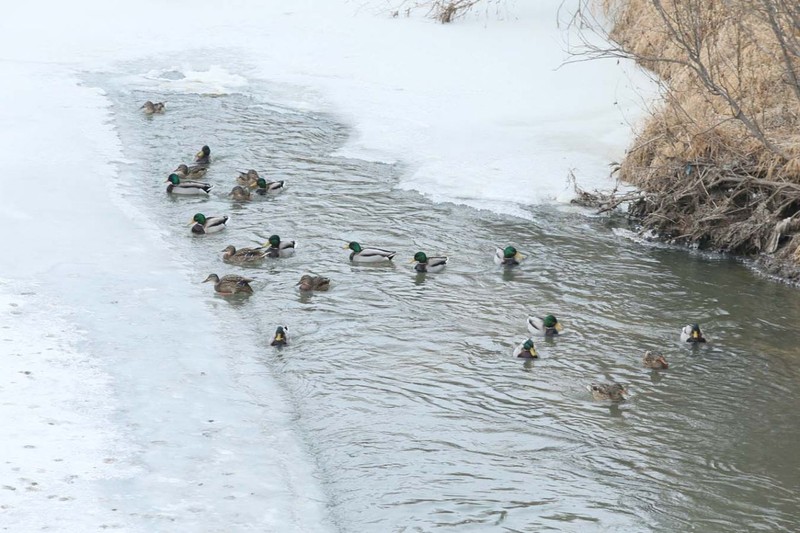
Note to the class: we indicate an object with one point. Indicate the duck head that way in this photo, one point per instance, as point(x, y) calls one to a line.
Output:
point(529, 347)
point(174, 179)
point(212, 277)
point(183, 169)
point(198, 218)
point(696, 335)
point(354, 246)
point(229, 251)
point(204, 152)
point(551, 322)
point(306, 283)
point(261, 183)
point(274, 241)
point(420, 257)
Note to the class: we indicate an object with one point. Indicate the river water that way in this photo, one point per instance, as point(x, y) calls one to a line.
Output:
point(403, 388)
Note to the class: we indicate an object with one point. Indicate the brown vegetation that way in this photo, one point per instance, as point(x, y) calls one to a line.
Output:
point(718, 163)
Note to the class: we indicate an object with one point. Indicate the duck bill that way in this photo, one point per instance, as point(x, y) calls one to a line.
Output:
point(533, 353)
point(519, 257)
point(199, 154)
point(412, 261)
point(192, 223)
point(559, 327)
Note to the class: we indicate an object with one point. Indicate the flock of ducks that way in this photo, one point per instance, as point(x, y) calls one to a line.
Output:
point(184, 180)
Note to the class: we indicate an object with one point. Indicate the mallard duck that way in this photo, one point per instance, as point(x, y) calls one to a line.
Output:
point(548, 326)
point(239, 193)
point(191, 173)
point(244, 255)
point(263, 187)
point(202, 224)
point(508, 256)
point(692, 333)
point(230, 284)
point(313, 283)
point(152, 108)
point(280, 337)
point(187, 187)
point(248, 179)
point(277, 248)
point(203, 157)
point(526, 350)
point(654, 360)
point(428, 264)
point(368, 255)
point(608, 391)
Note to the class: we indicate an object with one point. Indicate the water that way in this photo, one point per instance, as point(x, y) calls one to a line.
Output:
point(403, 388)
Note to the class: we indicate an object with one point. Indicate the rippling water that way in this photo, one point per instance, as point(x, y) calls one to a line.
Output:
point(404, 388)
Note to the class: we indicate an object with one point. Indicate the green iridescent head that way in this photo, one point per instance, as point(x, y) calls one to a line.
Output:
point(174, 179)
point(262, 183)
point(420, 257)
point(354, 246)
point(509, 252)
point(550, 321)
point(527, 345)
point(274, 240)
point(200, 218)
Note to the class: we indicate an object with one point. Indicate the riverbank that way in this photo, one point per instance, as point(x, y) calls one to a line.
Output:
point(718, 162)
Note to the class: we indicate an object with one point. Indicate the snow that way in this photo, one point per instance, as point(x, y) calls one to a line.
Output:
point(478, 112)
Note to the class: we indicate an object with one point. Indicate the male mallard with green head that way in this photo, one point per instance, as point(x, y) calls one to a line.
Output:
point(549, 326)
point(279, 248)
point(508, 256)
point(526, 350)
point(280, 337)
point(203, 157)
point(187, 187)
point(368, 255)
point(691, 333)
point(429, 264)
point(264, 187)
point(230, 284)
point(202, 224)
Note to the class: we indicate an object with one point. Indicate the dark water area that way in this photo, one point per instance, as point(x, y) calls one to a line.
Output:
point(404, 388)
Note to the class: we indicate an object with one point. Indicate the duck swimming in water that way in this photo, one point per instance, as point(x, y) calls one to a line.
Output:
point(368, 255)
point(153, 108)
point(279, 248)
point(313, 283)
point(526, 350)
point(202, 224)
point(248, 179)
point(245, 255)
point(239, 193)
point(654, 360)
point(263, 187)
point(187, 187)
point(191, 173)
point(508, 256)
point(203, 157)
point(608, 391)
point(230, 284)
point(691, 333)
point(549, 326)
point(280, 337)
point(428, 264)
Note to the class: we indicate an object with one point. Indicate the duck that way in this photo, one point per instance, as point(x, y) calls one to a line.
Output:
point(231, 284)
point(279, 248)
point(152, 108)
point(368, 255)
point(187, 187)
point(526, 350)
point(203, 157)
point(314, 283)
point(239, 193)
point(244, 255)
point(549, 326)
point(264, 187)
point(508, 256)
point(691, 333)
point(248, 179)
point(608, 391)
point(202, 224)
point(280, 337)
point(429, 264)
point(192, 173)
point(654, 360)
